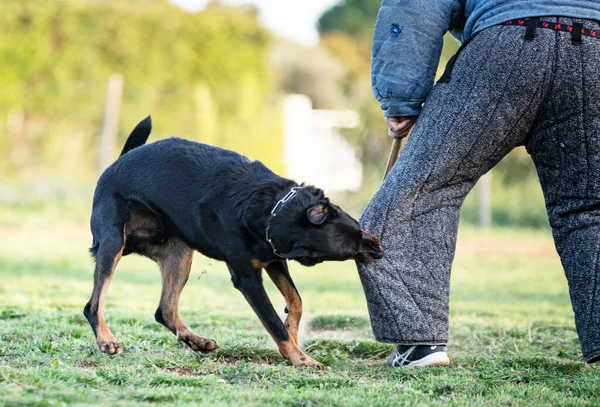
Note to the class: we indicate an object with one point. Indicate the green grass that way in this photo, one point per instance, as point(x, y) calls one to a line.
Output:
point(513, 341)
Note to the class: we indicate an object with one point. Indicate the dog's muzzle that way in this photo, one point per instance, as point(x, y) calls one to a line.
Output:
point(369, 248)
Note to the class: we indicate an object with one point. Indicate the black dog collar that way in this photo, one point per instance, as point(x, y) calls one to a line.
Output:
point(276, 209)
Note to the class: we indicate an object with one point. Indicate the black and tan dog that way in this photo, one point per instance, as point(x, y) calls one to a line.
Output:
point(166, 199)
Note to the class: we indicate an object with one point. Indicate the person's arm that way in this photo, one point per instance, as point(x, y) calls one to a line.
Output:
point(407, 44)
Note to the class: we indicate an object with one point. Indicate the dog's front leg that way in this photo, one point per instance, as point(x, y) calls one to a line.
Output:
point(249, 281)
point(279, 273)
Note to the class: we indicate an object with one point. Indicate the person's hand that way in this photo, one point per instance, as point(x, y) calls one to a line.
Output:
point(399, 127)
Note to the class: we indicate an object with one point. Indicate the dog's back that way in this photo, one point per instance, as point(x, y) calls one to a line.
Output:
point(172, 182)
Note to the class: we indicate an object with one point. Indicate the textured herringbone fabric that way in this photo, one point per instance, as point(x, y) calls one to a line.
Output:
point(504, 92)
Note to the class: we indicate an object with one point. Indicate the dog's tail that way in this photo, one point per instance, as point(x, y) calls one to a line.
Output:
point(138, 136)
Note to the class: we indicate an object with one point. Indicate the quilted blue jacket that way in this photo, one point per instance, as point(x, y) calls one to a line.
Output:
point(408, 39)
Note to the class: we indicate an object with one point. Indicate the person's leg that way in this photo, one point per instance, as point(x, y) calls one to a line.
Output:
point(466, 127)
point(565, 147)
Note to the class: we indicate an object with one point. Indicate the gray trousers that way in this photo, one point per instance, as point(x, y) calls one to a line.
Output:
point(504, 92)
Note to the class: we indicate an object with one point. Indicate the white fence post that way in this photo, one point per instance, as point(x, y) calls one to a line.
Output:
point(314, 150)
point(112, 107)
point(15, 124)
point(485, 201)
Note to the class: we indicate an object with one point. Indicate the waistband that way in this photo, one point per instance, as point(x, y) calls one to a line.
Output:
point(576, 29)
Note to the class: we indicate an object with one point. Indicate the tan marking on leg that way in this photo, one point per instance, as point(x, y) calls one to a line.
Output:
point(175, 266)
point(293, 303)
point(105, 340)
point(259, 264)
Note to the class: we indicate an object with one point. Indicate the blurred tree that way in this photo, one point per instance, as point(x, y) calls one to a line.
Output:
point(354, 17)
point(58, 55)
point(314, 72)
point(348, 50)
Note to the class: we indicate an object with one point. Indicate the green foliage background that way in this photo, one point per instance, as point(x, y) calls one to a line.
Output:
point(202, 73)
point(216, 76)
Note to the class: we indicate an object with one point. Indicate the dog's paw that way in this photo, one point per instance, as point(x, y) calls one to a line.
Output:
point(110, 347)
point(307, 361)
point(319, 366)
point(197, 343)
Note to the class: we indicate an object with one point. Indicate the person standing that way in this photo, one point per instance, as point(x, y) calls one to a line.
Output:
point(527, 73)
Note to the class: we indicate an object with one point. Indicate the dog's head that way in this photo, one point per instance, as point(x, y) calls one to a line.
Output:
point(310, 230)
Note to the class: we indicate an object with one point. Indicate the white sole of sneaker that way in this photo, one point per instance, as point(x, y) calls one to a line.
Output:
point(435, 359)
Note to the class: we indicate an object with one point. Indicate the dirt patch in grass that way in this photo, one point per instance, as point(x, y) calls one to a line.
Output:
point(183, 371)
point(229, 358)
point(85, 364)
point(235, 358)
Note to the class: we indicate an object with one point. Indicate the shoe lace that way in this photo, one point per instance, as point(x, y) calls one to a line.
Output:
point(401, 358)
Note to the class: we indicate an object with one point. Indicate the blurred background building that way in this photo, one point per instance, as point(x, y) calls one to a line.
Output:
point(314, 150)
point(283, 82)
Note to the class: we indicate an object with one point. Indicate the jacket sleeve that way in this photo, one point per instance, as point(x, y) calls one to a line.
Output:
point(407, 44)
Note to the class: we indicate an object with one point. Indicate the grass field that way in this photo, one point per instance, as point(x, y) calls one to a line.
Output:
point(513, 340)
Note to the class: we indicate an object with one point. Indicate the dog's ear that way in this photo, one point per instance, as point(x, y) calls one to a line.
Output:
point(317, 214)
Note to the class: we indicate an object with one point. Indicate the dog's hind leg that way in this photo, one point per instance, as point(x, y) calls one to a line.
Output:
point(248, 280)
point(175, 262)
point(108, 253)
point(279, 273)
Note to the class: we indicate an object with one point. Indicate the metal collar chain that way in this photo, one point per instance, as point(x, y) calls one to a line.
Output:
point(275, 211)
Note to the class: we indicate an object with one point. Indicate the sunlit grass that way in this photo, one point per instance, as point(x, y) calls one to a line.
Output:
point(513, 340)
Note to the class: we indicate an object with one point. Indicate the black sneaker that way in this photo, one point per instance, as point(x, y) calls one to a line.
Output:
point(419, 355)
